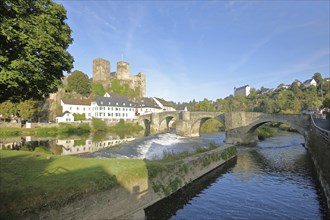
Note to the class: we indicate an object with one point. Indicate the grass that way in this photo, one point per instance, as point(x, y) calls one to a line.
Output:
point(35, 181)
point(31, 181)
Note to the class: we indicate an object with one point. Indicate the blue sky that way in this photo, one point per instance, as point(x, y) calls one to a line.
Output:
point(203, 49)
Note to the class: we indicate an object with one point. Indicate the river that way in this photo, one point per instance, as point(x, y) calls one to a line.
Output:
point(275, 179)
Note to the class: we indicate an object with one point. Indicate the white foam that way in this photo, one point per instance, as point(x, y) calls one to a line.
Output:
point(162, 141)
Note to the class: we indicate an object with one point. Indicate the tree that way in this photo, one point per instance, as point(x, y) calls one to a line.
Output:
point(33, 48)
point(79, 82)
point(206, 105)
point(28, 108)
point(98, 89)
point(326, 102)
point(7, 109)
point(318, 78)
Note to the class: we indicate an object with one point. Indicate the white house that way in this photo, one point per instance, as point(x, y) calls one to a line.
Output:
point(79, 106)
point(65, 117)
point(242, 91)
point(310, 82)
point(165, 105)
point(113, 107)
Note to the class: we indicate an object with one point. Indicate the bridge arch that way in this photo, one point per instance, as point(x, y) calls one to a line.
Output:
point(197, 124)
point(253, 127)
point(244, 125)
point(166, 119)
point(165, 124)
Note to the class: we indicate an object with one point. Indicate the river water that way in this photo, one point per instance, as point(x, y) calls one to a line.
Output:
point(273, 180)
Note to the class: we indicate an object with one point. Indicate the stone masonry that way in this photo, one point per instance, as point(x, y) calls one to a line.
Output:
point(102, 74)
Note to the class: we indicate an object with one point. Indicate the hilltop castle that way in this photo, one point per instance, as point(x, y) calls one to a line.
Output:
point(103, 75)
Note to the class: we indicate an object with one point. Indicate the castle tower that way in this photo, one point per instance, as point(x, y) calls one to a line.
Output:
point(101, 70)
point(123, 70)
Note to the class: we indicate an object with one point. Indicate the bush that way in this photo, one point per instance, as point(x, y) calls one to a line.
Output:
point(265, 132)
point(79, 117)
point(98, 125)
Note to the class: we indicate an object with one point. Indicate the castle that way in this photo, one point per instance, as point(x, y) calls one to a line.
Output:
point(103, 75)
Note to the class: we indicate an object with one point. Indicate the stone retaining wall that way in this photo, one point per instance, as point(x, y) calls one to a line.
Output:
point(320, 153)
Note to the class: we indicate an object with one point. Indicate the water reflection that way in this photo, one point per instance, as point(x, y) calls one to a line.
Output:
point(167, 207)
point(273, 180)
point(64, 146)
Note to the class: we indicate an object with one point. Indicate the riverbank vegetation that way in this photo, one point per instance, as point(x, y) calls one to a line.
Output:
point(286, 99)
point(98, 125)
point(61, 129)
point(265, 132)
point(73, 129)
point(211, 126)
point(36, 181)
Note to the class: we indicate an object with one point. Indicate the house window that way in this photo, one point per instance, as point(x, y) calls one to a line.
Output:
point(101, 102)
point(124, 104)
point(77, 108)
point(84, 108)
point(70, 108)
point(116, 103)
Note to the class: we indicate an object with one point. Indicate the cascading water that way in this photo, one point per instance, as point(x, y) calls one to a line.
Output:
point(154, 147)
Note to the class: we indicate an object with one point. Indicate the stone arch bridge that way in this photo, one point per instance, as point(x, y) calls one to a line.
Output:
point(240, 126)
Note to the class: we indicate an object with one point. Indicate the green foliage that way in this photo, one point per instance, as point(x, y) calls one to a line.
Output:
point(97, 89)
point(326, 101)
point(79, 82)
point(126, 128)
point(10, 132)
point(7, 109)
point(79, 117)
point(318, 78)
point(28, 108)
point(291, 100)
point(33, 51)
point(65, 128)
point(212, 125)
point(80, 142)
point(123, 89)
point(206, 105)
point(98, 125)
point(265, 132)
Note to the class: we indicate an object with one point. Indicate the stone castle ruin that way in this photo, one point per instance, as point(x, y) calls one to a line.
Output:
point(102, 74)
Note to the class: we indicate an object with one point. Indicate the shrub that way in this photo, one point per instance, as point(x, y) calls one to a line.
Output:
point(98, 125)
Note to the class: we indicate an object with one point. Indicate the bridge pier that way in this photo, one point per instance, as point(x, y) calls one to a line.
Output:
point(235, 136)
point(184, 126)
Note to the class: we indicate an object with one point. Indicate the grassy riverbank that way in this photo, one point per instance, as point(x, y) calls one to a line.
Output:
point(36, 181)
point(73, 129)
point(33, 181)
point(61, 129)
